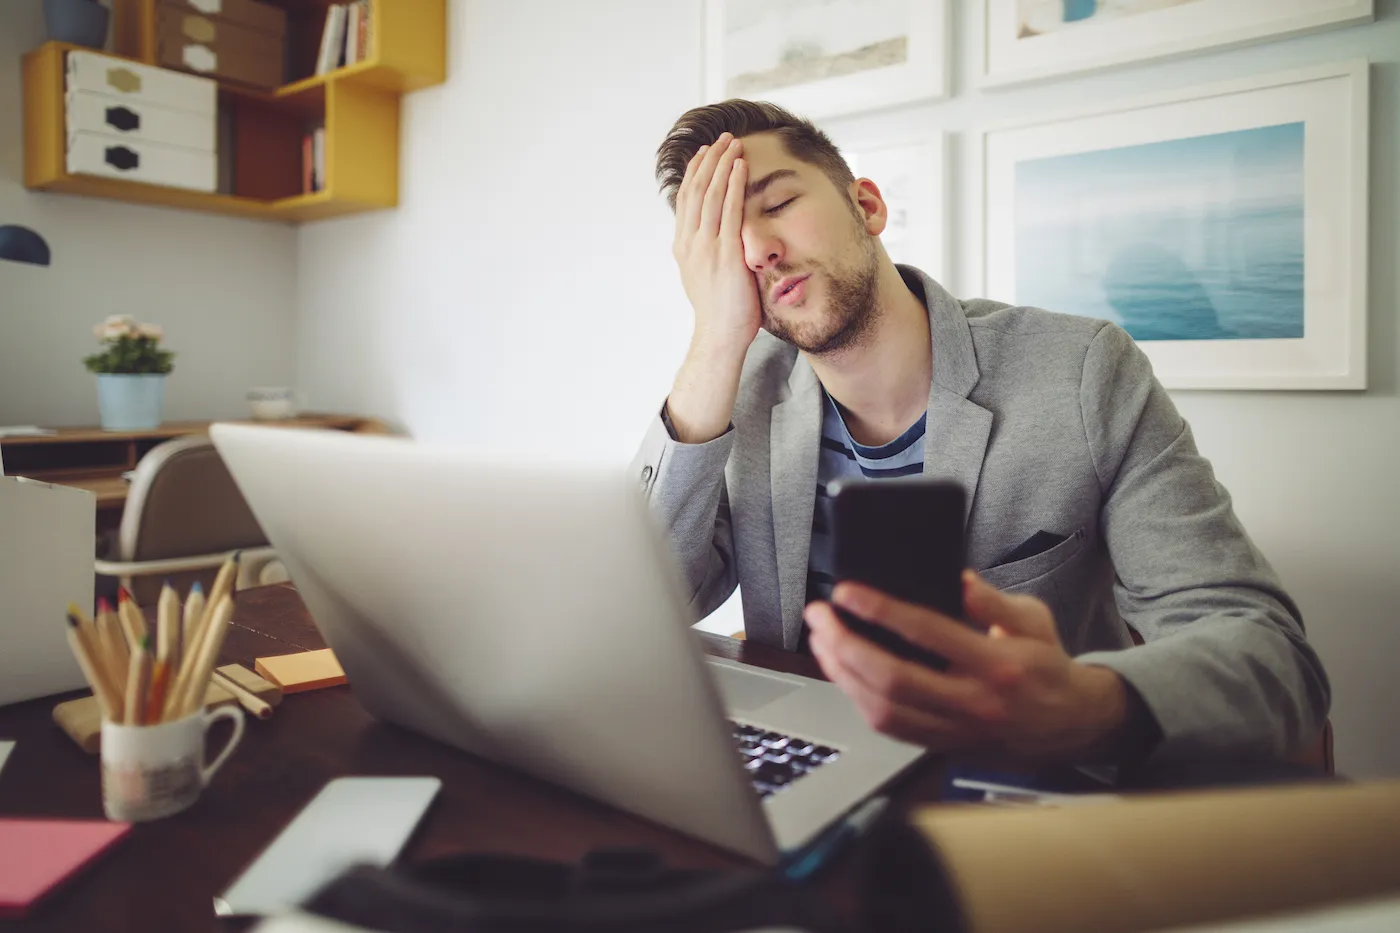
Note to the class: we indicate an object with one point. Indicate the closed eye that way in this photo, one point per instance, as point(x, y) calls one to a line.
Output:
point(778, 207)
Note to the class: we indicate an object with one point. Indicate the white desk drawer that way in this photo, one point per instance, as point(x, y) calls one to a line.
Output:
point(137, 160)
point(139, 120)
point(102, 74)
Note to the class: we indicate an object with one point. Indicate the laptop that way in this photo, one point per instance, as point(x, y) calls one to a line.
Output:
point(533, 614)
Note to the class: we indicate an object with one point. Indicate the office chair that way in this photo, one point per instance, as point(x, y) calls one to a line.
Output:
point(184, 515)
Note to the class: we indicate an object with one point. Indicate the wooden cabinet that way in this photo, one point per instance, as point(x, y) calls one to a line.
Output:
point(262, 131)
point(93, 459)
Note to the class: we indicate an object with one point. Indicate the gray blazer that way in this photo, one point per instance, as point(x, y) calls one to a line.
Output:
point(1052, 423)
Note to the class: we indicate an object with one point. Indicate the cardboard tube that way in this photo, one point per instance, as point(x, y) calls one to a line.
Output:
point(1143, 863)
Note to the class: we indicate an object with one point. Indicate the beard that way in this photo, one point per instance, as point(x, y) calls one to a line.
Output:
point(851, 310)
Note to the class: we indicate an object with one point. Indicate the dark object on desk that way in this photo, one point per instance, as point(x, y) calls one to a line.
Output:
point(80, 22)
point(618, 890)
point(904, 537)
point(20, 244)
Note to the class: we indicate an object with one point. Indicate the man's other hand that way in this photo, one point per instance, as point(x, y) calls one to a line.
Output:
point(710, 252)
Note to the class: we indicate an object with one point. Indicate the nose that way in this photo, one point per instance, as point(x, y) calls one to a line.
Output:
point(762, 248)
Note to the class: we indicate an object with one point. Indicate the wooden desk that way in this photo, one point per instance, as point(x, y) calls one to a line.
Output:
point(93, 459)
point(165, 874)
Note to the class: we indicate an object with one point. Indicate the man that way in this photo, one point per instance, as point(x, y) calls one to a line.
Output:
point(1090, 510)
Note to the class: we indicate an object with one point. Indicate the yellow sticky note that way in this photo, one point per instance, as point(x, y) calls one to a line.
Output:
point(306, 670)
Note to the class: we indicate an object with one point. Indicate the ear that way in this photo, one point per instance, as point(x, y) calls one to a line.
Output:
point(870, 204)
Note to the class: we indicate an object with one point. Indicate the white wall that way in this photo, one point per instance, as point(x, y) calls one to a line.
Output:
point(225, 289)
point(523, 296)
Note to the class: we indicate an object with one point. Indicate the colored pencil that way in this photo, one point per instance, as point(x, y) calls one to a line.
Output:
point(160, 684)
point(97, 678)
point(133, 622)
point(113, 642)
point(196, 670)
point(194, 611)
point(138, 682)
point(168, 625)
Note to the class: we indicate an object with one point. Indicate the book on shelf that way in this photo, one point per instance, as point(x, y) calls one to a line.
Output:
point(352, 33)
point(332, 40)
point(313, 160)
point(308, 160)
point(318, 158)
point(346, 36)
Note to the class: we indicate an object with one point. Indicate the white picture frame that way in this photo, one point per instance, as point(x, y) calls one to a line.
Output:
point(1323, 342)
point(750, 48)
point(912, 175)
point(1021, 41)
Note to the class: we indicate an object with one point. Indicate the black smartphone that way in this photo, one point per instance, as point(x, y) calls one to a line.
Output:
point(904, 537)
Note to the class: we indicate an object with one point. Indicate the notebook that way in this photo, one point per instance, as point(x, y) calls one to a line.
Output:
point(306, 670)
point(36, 856)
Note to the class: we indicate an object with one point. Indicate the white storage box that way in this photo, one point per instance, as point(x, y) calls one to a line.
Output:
point(136, 160)
point(47, 539)
point(139, 120)
point(91, 71)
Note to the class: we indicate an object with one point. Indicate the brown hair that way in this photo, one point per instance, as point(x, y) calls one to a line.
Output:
point(701, 126)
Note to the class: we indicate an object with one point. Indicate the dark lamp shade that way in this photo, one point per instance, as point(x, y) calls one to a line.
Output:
point(20, 244)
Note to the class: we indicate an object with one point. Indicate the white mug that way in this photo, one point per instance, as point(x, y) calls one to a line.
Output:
point(153, 771)
point(272, 403)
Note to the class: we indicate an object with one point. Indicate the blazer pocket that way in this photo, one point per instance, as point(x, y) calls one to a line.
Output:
point(1020, 572)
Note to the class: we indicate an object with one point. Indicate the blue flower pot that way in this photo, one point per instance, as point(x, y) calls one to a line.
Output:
point(130, 403)
point(81, 22)
point(1076, 10)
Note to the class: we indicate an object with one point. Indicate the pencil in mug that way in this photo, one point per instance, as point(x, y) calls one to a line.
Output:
point(198, 669)
point(138, 682)
point(133, 622)
point(168, 624)
point(97, 678)
point(160, 685)
point(223, 586)
point(199, 623)
point(194, 611)
point(112, 641)
point(103, 654)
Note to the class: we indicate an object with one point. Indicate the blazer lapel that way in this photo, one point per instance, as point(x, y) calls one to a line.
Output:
point(958, 429)
point(796, 426)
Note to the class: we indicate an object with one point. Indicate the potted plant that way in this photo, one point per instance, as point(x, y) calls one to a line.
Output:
point(131, 371)
point(81, 22)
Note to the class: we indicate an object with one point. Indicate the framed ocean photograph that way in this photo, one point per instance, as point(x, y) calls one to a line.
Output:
point(1029, 39)
point(824, 58)
point(1224, 228)
point(911, 176)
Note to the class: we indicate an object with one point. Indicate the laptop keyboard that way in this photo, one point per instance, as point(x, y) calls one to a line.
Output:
point(775, 760)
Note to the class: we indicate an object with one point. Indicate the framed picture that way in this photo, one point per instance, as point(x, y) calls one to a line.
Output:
point(1223, 227)
point(823, 58)
point(911, 175)
point(1029, 39)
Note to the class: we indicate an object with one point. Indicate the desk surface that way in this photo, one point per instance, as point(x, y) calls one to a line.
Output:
point(165, 874)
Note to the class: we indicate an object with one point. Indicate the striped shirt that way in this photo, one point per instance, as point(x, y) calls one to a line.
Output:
point(842, 458)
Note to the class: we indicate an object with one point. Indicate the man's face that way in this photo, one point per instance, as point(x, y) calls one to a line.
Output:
point(813, 258)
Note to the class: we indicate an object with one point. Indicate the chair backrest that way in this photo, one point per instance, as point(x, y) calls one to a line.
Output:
point(182, 503)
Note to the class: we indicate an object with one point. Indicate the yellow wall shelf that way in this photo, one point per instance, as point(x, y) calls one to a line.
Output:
point(358, 104)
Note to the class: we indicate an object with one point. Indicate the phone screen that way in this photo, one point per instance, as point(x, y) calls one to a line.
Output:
point(903, 537)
